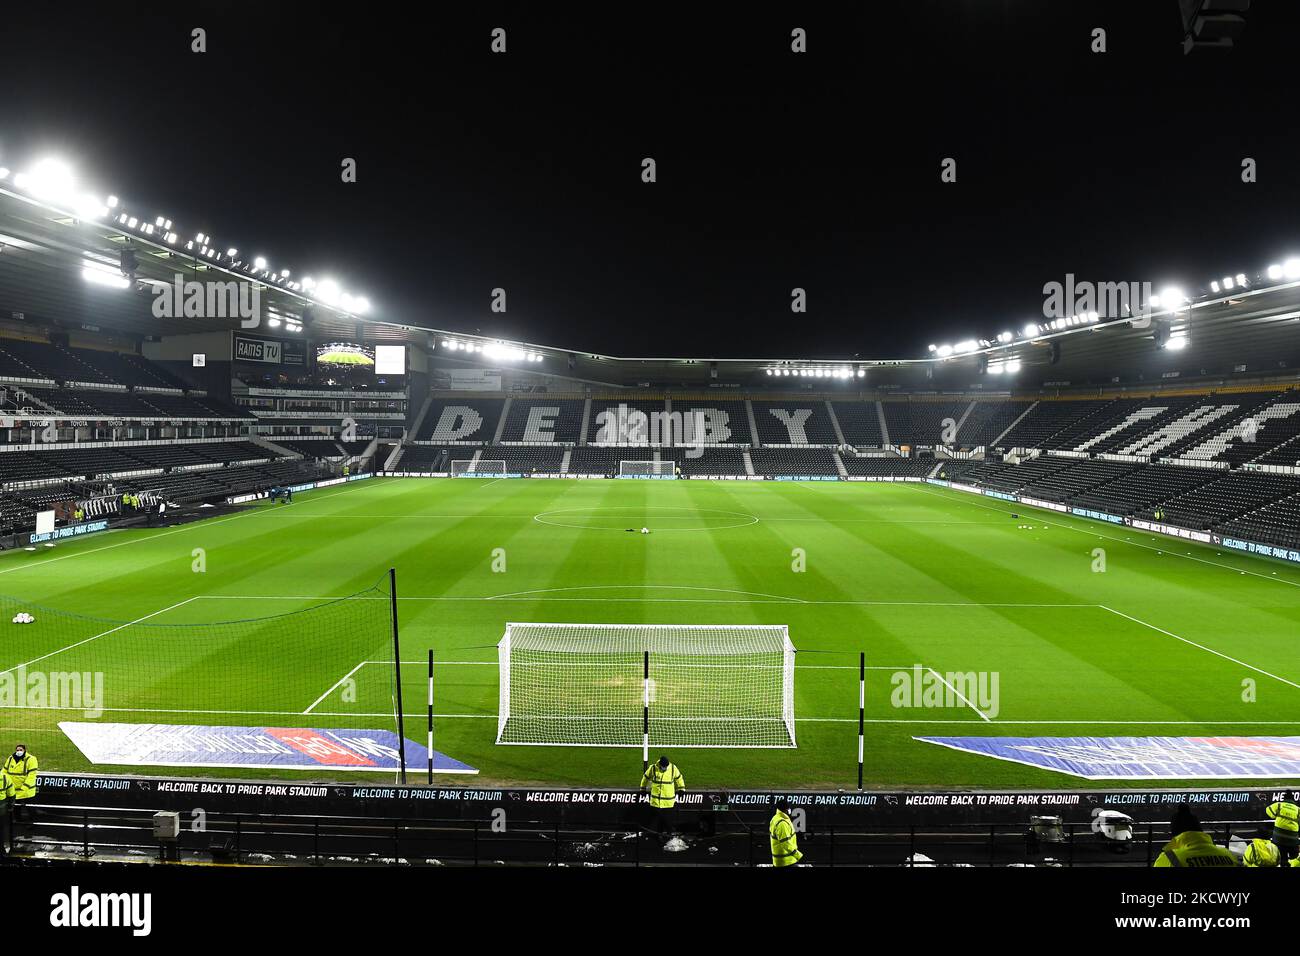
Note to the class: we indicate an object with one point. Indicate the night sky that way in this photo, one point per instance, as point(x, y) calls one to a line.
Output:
point(775, 170)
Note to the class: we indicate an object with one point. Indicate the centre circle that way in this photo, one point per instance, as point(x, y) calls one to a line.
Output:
point(656, 519)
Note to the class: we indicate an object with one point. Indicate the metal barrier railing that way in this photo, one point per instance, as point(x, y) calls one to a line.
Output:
point(711, 839)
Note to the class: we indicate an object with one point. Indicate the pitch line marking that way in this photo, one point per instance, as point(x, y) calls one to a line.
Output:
point(822, 720)
point(335, 687)
point(1107, 537)
point(202, 522)
point(502, 517)
point(700, 514)
point(959, 694)
point(1210, 650)
point(644, 587)
point(96, 637)
point(798, 666)
point(776, 599)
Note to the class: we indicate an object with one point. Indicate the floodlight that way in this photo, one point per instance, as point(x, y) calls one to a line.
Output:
point(232, 252)
point(1291, 269)
point(88, 207)
point(1214, 286)
point(1241, 278)
point(102, 276)
point(50, 179)
point(945, 351)
point(1275, 271)
point(1177, 343)
point(273, 323)
point(1227, 282)
point(112, 202)
point(259, 263)
point(327, 290)
point(4, 173)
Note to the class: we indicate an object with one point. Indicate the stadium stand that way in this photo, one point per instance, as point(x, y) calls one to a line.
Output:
point(876, 467)
point(987, 422)
point(921, 422)
point(859, 423)
point(722, 422)
point(543, 420)
point(804, 422)
point(461, 420)
point(794, 461)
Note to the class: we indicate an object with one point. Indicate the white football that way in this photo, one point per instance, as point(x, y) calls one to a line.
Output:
point(645, 530)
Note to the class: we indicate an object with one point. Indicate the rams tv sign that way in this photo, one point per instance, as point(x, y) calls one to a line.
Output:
point(257, 350)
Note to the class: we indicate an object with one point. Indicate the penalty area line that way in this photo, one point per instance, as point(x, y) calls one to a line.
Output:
point(1208, 650)
point(335, 686)
point(96, 637)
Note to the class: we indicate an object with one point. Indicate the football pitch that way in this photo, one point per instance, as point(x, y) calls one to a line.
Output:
point(1068, 627)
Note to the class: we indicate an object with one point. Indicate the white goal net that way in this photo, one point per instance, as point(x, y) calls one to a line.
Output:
point(584, 685)
point(635, 469)
point(477, 469)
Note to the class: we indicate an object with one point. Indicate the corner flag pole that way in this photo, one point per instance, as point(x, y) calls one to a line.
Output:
point(645, 715)
point(429, 747)
point(862, 707)
point(397, 674)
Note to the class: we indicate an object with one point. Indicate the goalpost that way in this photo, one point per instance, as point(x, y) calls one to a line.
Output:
point(641, 469)
point(632, 685)
point(478, 469)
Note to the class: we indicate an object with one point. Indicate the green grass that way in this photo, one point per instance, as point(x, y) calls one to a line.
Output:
point(910, 574)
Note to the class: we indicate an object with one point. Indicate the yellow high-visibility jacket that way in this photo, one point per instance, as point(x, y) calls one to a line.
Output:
point(785, 842)
point(22, 777)
point(664, 785)
point(1261, 852)
point(1195, 849)
point(1275, 810)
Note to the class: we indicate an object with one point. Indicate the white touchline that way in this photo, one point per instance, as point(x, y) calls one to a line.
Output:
point(336, 684)
point(821, 720)
point(200, 523)
point(1202, 647)
point(563, 600)
point(959, 694)
point(1108, 537)
point(98, 636)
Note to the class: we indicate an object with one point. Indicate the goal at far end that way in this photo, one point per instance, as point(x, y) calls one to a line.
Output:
point(647, 469)
point(478, 469)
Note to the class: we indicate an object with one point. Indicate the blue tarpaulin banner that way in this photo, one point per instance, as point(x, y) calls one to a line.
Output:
point(1142, 758)
point(264, 748)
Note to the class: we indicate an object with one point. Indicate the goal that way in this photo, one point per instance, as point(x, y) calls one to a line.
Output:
point(646, 469)
point(482, 468)
point(634, 685)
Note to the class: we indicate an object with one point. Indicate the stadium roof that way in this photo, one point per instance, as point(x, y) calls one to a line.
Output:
point(47, 249)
